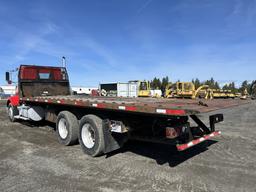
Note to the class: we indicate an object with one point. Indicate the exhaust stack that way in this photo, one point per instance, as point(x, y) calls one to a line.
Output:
point(64, 61)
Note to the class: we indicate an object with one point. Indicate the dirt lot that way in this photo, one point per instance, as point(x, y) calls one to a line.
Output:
point(31, 159)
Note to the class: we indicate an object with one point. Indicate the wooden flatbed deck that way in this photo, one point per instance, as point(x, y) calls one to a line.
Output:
point(176, 107)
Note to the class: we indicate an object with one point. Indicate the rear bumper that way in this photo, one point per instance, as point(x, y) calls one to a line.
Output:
point(182, 147)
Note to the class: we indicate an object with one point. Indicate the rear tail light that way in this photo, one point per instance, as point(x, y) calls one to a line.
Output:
point(170, 133)
point(173, 132)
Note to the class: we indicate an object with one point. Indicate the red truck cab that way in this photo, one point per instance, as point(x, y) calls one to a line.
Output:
point(40, 81)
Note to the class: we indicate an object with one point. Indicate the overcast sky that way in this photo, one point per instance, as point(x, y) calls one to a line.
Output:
point(121, 40)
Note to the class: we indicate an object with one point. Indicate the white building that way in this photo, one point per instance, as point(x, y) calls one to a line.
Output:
point(9, 89)
point(83, 90)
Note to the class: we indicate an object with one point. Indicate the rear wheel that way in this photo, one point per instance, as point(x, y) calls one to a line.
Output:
point(91, 136)
point(12, 112)
point(67, 128)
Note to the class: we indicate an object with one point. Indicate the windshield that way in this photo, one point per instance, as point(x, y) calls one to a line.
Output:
point(187, 87)
point(143, 86)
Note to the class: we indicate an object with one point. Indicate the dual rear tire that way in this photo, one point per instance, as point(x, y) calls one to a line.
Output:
point(89, 132)
point(67, 128)
point(91, 137)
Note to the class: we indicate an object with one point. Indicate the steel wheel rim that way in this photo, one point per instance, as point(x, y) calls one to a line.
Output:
point(88, 136)
point(62, 128)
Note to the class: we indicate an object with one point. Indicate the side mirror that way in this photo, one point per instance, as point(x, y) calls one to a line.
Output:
point(7, 76)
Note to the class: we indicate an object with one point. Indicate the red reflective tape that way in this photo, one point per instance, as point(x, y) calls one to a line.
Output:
point(101, 105)
point(185, 146)
point(61, 101)
point(127, 108)
point(195, 142)
point(175, 112)
point(206, 136)
point(130, 108)
point(182, 147)
point(78, 103)
point(50, 101)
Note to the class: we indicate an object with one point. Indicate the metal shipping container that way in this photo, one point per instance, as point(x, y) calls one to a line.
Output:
point(120, 89)
point(133, 90)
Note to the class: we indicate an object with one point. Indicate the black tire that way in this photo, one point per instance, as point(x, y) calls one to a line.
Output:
point(67, 128)
point(95, 126)
point(12, 111)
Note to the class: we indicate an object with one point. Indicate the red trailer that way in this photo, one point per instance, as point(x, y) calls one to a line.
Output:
point(104, 124)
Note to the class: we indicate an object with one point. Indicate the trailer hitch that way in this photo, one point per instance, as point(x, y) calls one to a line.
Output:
point(213, 120)
point(205, 132)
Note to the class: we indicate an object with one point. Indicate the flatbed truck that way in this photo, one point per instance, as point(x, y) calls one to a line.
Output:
point(104, 124)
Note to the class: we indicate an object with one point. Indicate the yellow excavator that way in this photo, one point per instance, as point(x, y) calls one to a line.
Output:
point(187, 90)
point(144, 89)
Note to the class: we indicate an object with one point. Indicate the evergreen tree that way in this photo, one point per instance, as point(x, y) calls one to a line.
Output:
point(165, 82)
point(211, 83)
point(197, 83)
point(252, 90)
point(245, 85)
point(156, 83)
point(216, 85)
point(225, 87)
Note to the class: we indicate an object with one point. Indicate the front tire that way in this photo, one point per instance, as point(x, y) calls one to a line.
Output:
point(12, 112)
point(91, 137)
point(67, 128)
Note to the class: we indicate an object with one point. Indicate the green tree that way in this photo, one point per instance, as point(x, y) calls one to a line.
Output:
point(211, 83)
point(216, 85)
point(226, 86)
point(230, 86)
point(245, 85)
point(197, 83)
point(156, 83)
point(165, 82)
point(252, 90)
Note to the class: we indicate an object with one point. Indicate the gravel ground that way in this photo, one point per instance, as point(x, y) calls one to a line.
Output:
point(31, 159)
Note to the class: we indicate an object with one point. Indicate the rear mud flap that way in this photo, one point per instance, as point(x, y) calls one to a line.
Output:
point(112, 141)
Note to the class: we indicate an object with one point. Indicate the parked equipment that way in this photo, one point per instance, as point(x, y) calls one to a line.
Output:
point(187, 90)
point(144, 88)
point(223, 94)
point(104, 124)
point(244, 94)
point(157, 93)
